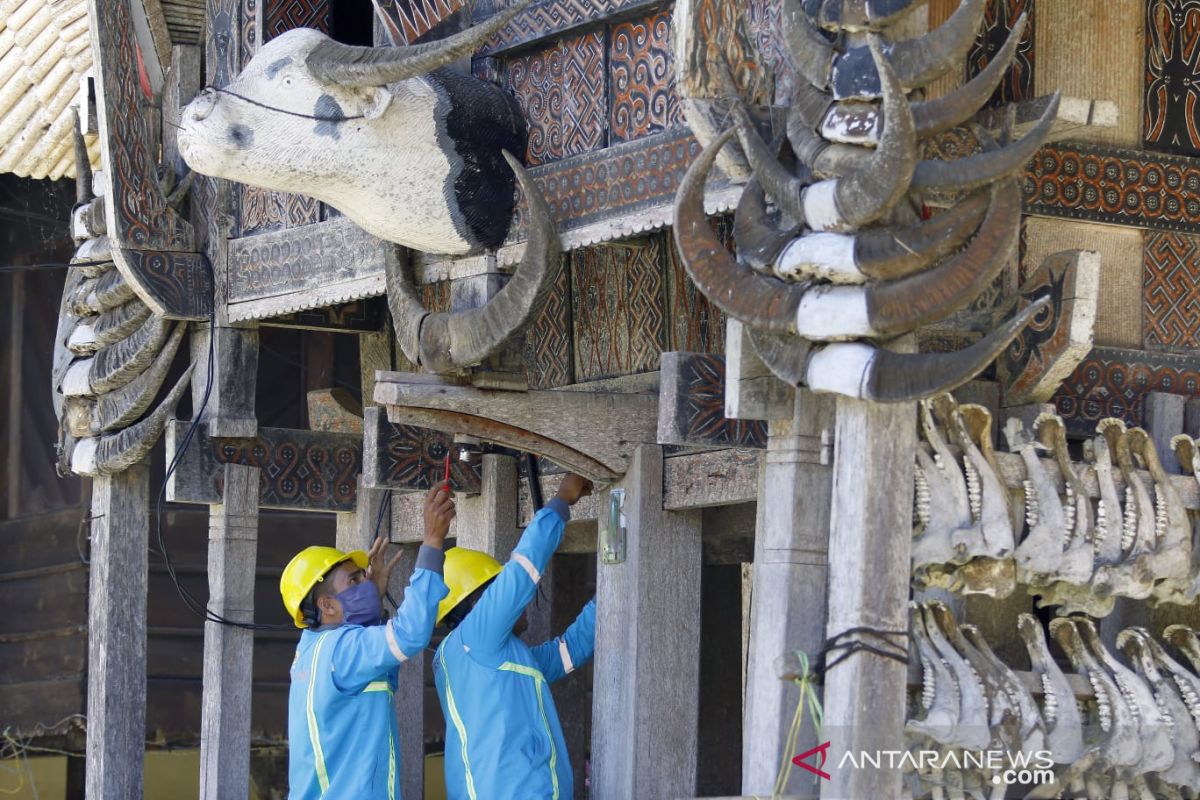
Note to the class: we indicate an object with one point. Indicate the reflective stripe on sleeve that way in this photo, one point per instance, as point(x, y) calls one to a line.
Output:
point(528, 566)
point(393, 645)
point(565, 654)
point(314, 733)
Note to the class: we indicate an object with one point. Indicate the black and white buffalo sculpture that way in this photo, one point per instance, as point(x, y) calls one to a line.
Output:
point(411, 152)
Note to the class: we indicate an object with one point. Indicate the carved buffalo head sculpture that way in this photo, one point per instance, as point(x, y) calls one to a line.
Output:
point(410, 152)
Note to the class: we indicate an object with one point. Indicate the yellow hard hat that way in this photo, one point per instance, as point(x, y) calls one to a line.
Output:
point(306, 569)
point(465, 571)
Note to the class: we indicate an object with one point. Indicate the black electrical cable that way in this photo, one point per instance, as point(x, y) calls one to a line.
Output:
point(194, 605)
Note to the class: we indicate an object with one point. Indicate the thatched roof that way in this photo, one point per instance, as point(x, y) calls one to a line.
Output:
point(45, 51)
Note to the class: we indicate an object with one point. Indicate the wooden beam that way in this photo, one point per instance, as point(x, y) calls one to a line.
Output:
point(229, 410)
point(590, 433)
point(752, 391)
point(410, 693)
point(865, 694)
point(334, 411)
point(787, 609)
point(229, 650)
point(1077, 117)
point(301, 470)
point(116, 680)
point(646, 678)
point(488, 521)
point(692, 405)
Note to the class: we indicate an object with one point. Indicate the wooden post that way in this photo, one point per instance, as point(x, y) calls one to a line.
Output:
point(869, 544)
point(16, 350)
point(489, 522)
point(647, 678)
point(228, 650)
point(116, 705)
point(787, 609)
point(1164, 415)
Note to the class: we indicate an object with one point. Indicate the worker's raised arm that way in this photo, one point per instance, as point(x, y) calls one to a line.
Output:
point(363, 655)
point(493, 617)
point(564, 654)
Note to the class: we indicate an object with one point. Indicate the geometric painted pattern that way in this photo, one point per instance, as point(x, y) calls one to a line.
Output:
point(547, 345)
point(547, 18)
point(560, 90)
point(405, 21)
point(281, 16)
point(1172, 94)
point(700, 408)
point(1171, 291)
point(1113, 382)
point(643, 98)
point(998, 20)
point(618, 301)
point(696, 324)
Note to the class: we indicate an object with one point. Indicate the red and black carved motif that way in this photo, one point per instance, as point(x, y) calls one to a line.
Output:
point(549, 18)
point(622, 179)
point(1113, 383)
point(998, 21)
point(547, 345)
point(1171, 291)
point(560, 89)
point(406, 21)
point(642, 78)
point(1172, 115)
point(1115, 186)
point(766, 26)
point(618, 308)
point(1024, 362)
point(281, 16)
point(701, 406)
point(696, 324)
point(223, 42)
point(412, 458)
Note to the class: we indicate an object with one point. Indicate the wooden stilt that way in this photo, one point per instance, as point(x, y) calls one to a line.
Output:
point(116, 707)
point(410, 693)
point(790, 564)
point(489, 522)
point(647, 676)
point(869, 543)
point(228, 650)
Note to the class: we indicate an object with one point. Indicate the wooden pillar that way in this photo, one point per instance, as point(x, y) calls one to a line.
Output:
point(869, 544)
point(787, 609)
point(410, 693)
point(646, 679)
point(229, 650)
point(489, 522)
point(116, 697)
point(1164, 419)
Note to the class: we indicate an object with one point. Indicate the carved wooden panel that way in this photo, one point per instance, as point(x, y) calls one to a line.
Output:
point(301, 470)
point(412, 458)
point(1171, 291)
point(765, 26)
point(719, 37)
point(1098, 183)
point(998, 20)
point(618, 308)
point(642, 77)
point(1172, 104)
point(357, 316)
point(560, 89)
point(549, 17)
point(280, 16)
point(693, 391)
point(547, 346)
point(697, 326)
point(1113, 382)
point(406, 21)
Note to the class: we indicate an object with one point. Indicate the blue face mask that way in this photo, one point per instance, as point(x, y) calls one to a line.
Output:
point(361, 604)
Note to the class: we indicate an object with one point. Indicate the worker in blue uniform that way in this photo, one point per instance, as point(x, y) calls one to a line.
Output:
point(343, 742)
point(503, 738)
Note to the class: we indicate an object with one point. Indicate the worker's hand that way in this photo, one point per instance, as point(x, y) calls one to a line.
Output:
point(439, 512)
point(573, 487)
point(379, 566)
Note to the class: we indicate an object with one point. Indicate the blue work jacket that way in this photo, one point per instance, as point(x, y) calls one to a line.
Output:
point(503, 738)
point(343, 742)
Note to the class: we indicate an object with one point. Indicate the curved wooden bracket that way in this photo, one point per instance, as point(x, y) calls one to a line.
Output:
point(591, 433)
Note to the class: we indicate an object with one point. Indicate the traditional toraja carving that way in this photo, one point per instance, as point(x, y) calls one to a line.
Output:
point(409, 458)
point(1112, 382)
point(308, 113)
point(1060, 336)
point(281, 16)
point(642, 97)
point(547, 342)
point(1126, 729)
point(1172, 119)
point(691, 408)
point(301, 470)
point(150, 243)
point(112, 354)
point(998, 21)
point(817, 291)
point(552, 17)
point(405, 21)
point(1100, 183)
point(1170, 291)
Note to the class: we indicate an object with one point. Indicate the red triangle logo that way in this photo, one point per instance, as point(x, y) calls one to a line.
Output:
point(801, 760)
